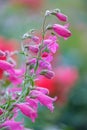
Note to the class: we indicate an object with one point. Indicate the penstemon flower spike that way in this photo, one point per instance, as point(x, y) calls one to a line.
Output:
point(38, 55)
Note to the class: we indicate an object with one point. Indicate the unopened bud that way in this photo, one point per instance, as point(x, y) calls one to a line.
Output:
point(35, 39)
point(47, 73)
point(45, 65)
point(33, 48)
point(45, 54)
point(31, 61)
point(61, 17)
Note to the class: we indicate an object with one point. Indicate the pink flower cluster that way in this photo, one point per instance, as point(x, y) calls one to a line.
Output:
point(38, 95)
point(38, 56)
point(47, 49)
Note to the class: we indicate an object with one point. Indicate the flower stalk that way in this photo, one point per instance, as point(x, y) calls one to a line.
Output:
point(25, 96)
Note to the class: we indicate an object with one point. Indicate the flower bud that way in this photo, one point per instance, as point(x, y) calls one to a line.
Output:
point(45, 54)
point(47, 41)
point(31, 61)
point(47, 73)
point(61, 17)
point(45, 65)
point(35, 39)
point(33, 48)
point(61, 30)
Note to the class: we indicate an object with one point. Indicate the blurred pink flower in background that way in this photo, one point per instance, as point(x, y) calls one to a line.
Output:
point(5, 46)
point(66, 75)
point(65, 78)
point(33, 4)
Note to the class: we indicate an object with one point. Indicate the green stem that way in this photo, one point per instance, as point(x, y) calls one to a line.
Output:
point(40, 47)
point(43, 28)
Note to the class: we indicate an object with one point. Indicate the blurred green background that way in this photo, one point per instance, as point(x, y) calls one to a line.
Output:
point(15, 20)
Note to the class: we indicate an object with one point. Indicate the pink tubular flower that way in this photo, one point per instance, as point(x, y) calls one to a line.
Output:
point(6, 66)
point(48, 58)
point(43, 90)
point(62, 17)
point(34, 48)
point(12, 125)
point(19, 72)
point(31, 61)
point(14, 90)
point(45, 54)
point(61, 30)
point(35, 39)
point(32, 103)
point(15, 80)
point(43, 99)
point(51, 43)
point(27, 110)
point(45, 65)
point(17, 77)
